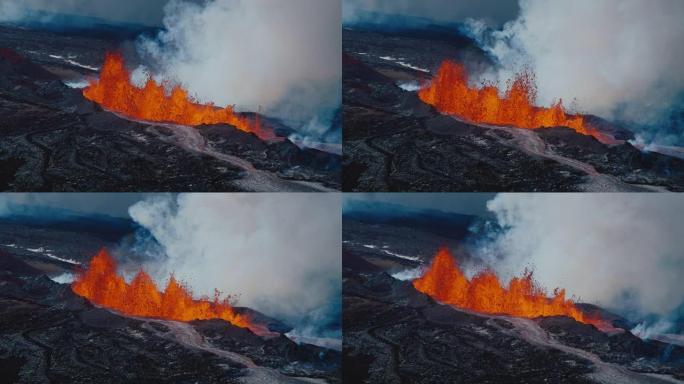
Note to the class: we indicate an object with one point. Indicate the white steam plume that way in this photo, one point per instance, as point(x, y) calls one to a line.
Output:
point(281, 56)
point(615, 58)
point(623, 251)
point(280, 252)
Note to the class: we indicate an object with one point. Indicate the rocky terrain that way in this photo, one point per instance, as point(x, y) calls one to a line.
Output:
point(395, 142)
point(395, 334)
point(53, 139)
point(50, 335)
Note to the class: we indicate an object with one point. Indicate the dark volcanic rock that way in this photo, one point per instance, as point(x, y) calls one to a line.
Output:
point(278, 352)
point(50, 335)
point(10, 264)
point(405, 338)
point(83, 345)
point(622, 348)
point(53, 139)
point(623, 161)
point(395, 334)
point(394, 142)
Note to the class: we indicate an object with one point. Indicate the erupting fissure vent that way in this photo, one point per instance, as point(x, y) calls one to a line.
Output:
point(101, 284)
point(523, 297)
point(115, 91)
point(450, 93)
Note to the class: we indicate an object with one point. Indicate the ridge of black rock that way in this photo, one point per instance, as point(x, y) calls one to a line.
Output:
point(395, 142)
point(394, 333)
point(49, 334)
point(53, 139)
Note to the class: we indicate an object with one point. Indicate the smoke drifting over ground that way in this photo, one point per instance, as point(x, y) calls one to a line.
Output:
point(494, 11)
point(280, 56)
point(279, 252)
point(619, 59)
point(148, 12)
point(623, 251)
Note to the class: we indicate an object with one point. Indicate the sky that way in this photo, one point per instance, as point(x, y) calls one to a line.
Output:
point(496, 12)
point(110, 204)
point(146, 12)
point(463, 203)
point(150, 12)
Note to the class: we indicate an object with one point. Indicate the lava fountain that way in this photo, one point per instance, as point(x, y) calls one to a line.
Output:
point(484, 293)
point(101, 285)
point(115, 92)
point(450, 93)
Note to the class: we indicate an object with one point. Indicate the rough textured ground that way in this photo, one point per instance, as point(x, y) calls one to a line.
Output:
point(50, 335)
point(394, 142)
point(52, 139)
point(395, 334)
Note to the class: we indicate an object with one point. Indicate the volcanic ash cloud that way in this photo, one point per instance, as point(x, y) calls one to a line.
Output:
point(282, 57)
point(619, 59)
point(622, 251)
point(279, 252)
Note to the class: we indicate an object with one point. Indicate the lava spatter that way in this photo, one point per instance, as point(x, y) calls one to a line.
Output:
point(450, 93)
point(521, 297)
point(115, 91)
point(102, 285)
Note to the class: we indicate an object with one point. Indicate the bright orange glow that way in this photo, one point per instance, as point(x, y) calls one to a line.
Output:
point(450, 93)
point(115, 92)
point(101, 284)
point(484, 293)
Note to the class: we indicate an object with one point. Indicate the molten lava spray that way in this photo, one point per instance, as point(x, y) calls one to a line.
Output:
point(445, 282)
point(101, 284)
point(451, 93)
point(115, 91)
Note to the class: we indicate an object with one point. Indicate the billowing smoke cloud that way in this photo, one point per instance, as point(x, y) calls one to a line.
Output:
point(279, 252)
point(622, 251)
point(494, 11)
point(619, 59)
point(280, 56)
point(148, 12)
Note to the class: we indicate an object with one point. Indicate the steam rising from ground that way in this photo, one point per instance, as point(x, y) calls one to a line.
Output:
point(280, 252)
point(281, 56)
point(623, 251)
point(617, 58)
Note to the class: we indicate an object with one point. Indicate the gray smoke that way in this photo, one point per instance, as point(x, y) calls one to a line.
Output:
point(495, 12)
point(279, 252)
point(282, 57)
point(148, 12)
point(622, 251)
point(619, 59)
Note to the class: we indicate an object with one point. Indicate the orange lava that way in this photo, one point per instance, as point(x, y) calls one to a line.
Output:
point(450, 93)
point(115, 92)
point(101, 284)
point(484, 293)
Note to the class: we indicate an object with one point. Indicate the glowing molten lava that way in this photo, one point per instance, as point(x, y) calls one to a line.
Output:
point(451, 93)
point(114, 91)
point(445, 282)
point(101, 284)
